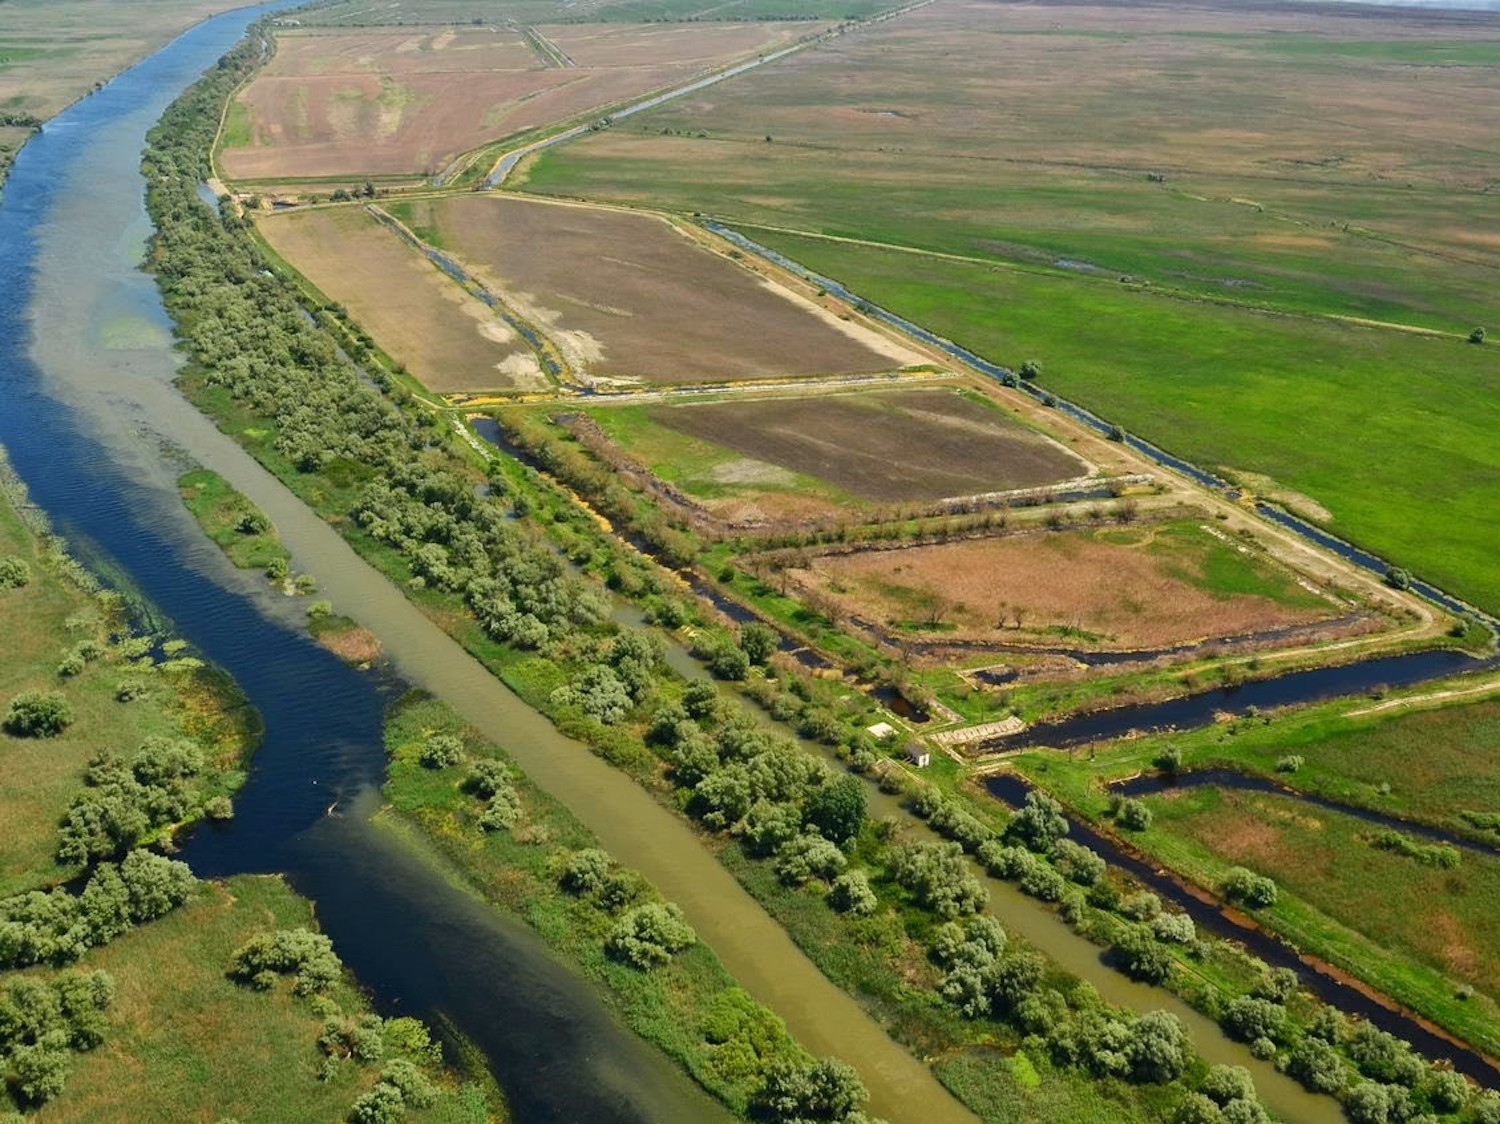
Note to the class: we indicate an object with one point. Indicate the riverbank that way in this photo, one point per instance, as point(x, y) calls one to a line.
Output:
point(528, 860)
point(176, 736)
point(532, 604)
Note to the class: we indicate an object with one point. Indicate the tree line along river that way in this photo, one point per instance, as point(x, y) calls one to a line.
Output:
point(94, 426)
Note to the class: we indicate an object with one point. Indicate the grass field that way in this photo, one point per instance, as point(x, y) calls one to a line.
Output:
point(449, 339)
point(1445, 919)
point(1430, 765)
point(1296, 160)
point(1303, 159)
point(626, 297)
point(400, 102)
point(43, 622)
point(52, 53)
point(1136, 586)
point(190, 1044)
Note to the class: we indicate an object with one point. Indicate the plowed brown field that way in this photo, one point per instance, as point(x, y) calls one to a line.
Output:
point(890, 447)
point(1137, 587)
point(629, 297)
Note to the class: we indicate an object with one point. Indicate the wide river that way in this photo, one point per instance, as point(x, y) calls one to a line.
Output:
point(94, 426)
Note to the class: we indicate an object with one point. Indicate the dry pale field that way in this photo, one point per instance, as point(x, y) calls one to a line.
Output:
point(887, 447)
point(447, 338)
point(54, 51)
point(1138, 587)
point(628, 297)
point(654, 44)
point(388, 102)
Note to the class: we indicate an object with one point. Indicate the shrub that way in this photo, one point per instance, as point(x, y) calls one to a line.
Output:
point(1141, 906)
point(851, 893)
point(1040, 822)
point(807, 1092)
point(1174, 928)
point(1077, 863)
point(837, 809)
point(502, 812)
point(300, 952)
point(441, 751)
point(488, 777)
point(383, 1104)
point(1477, 335)
point(1316, 1063)
point(586, 870)
point(1291, 763)
point(37, 714)
point(14, 573)
point(649, 936)
point(1142, 956)
point(759, 642)
point(806, 857)
point(1248, 888)
point(1133, 815)
point(1248, 1018)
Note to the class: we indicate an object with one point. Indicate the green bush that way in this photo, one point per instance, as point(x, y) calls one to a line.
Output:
point(649, 936)
point(14, 572)
point(37, 714)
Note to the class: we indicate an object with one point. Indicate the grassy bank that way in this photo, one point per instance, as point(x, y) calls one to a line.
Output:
point(144, 739)
point(64, 636)
point(193, 1044)
point(239, 527)
point(690, 1008)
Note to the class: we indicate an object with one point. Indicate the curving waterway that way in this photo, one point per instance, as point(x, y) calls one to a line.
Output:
point(94, 426)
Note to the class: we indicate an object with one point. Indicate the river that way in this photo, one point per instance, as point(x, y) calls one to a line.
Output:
point(93, 425)
point(90, 418)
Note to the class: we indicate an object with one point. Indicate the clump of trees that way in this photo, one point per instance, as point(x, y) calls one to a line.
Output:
point(300, 953)
point(37, 714)
point(42, 1022)
point(57, 927)
point(123, 802)
point(494, 783)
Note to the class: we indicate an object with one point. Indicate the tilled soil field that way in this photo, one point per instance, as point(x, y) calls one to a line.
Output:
point(885, 447)
point(627, 297)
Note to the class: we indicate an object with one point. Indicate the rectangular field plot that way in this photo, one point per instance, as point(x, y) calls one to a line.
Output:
point(447, 338)
point(884, 448)
point(406, 102)
point(1133, 586)
point(628, 298)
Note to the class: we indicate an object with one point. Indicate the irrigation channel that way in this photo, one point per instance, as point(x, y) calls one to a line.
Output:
point(1210, 916)
point(94, 426)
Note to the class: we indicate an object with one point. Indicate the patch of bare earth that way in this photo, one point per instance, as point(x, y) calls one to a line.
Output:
point(1074, 580)
point(887, 446)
